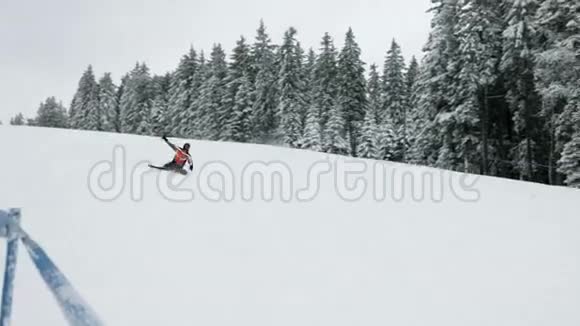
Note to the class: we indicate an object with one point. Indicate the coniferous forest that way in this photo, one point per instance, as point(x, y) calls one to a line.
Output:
point(497, 92)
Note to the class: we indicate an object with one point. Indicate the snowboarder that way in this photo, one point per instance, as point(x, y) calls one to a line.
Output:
point(181, 157)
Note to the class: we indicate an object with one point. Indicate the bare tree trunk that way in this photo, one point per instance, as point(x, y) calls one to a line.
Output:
point(552, 145)
point(551, 158)
point(483, 124)
point(528, 134)
point(404, 154)
point(529, 159)
point(352, 136)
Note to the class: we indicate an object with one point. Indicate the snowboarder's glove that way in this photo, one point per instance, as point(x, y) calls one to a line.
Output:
point(191, 168)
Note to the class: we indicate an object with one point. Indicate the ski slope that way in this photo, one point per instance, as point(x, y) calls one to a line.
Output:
point(508, 256)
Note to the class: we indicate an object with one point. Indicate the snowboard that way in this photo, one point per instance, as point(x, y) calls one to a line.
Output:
point(180, 171)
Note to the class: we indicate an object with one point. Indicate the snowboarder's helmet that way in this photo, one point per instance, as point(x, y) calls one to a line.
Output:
point(186, 146)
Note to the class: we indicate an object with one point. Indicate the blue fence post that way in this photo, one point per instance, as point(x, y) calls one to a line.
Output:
point(9, 267)
point(75, 309)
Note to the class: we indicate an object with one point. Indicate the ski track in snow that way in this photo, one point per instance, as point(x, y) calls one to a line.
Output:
point(511, 258)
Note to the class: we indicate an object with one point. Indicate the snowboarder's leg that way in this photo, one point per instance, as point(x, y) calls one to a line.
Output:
point(173, 166)
point(170, 165)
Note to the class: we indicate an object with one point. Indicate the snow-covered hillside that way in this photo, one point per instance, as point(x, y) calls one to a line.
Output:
point(490, 252)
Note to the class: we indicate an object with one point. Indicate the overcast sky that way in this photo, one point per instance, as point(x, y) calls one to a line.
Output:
point(46, 45)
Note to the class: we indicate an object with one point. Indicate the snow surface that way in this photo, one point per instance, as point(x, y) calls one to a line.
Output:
point(510, 258)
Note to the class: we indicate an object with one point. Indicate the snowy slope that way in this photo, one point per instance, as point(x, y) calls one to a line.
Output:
point(509, 257)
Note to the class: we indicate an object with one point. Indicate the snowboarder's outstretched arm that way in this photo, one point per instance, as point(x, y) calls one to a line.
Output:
point(173, 147)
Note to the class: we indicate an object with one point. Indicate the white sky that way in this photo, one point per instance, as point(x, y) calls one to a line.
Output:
point(46, 45)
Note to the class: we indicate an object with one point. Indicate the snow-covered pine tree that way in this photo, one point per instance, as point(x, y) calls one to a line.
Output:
point(290, 85)
point(394, 86)
point(207, 103)
point(145, 125)
point(308, 77)
point(412, 120)
point(51, 114)
point(308, 68)
point(181, 95)
point(351, 88)
point(335, 139)
point(569, 163)
point(261, 51)
point(128, 103)
point(160, 120)
point(202, 74)
point(211, 96)
point(557, 73)
point(240, 123)
point(324, 82)
point(386, 140)
point(84, 107)
point(518, 63)
point(519, 154)
point(304, 77)
point(312, 137)
point(375, 91)
point(119, 95)
point(368, 143)
point(136, 102)
point(264, 77)
point(17, 120)
point(480, 42)
point(568, 123)
point(394, 94)
point(238, 71)
point(93, 115)
point(241, 65)
point(433, 85)
point(411, 75)
point(374, 96)
point(108, 103)
point(447, 156)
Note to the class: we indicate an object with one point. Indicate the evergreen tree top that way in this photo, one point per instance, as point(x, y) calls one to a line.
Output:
point(262, 51)
point(394, 59)
point(310, 59)
point(351, 51)
point(349, 61)
point(188, 66)
point(374, 86)
point(327, 44)
point(290, 50)
point(414, 64)
point(106, 79)
point(262, 36)
point(240, 59)
point(327, 50)
point(88, 78)
point(262, 42)
point(217, 62)
point(412, 73)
